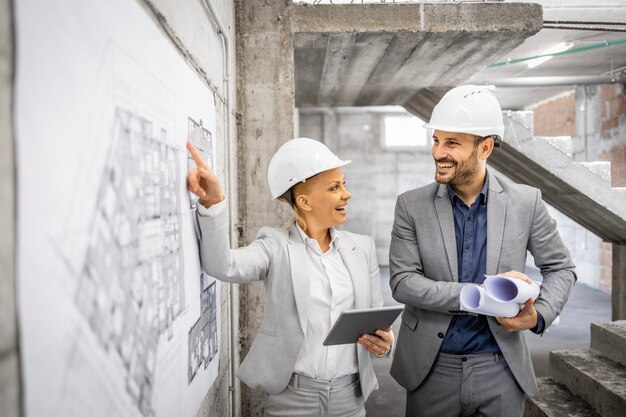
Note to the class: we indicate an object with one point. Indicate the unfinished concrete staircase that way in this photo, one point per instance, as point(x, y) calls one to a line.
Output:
point(581, 190)
point(586, 383)
point(590, 382)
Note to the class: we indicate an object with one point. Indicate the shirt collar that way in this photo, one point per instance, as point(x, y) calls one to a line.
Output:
point(482, 196)
point(308, 241)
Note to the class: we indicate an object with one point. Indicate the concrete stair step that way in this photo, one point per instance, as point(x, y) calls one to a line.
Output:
point(600, 381)
point(562, 143)
point(609, 340)
point(600, 168)
point(554, 400)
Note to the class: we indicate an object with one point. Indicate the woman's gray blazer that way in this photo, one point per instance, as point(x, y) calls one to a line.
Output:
point(277, 257)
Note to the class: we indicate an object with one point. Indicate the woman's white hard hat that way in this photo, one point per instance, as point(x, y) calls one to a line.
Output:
point(469, 109)
point(296, 160)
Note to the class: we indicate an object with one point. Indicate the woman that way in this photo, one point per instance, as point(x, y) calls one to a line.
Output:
point(311, 272)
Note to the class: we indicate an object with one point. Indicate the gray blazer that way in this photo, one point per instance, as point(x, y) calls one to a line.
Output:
point(276, 257)
point(424, 271)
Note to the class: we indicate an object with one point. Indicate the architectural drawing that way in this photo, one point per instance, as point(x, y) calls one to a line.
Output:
point(202, 140)
point(131, 287)
point(117, 318)
point(203, 340)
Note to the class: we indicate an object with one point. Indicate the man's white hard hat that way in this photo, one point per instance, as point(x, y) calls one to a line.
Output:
point(296, 160)
point(469, 109)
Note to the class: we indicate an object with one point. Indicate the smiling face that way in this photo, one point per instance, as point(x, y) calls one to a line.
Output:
point(323, 205)
point(459, 157)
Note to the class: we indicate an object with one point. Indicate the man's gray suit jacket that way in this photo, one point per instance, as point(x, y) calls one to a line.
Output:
point(424, 272)
point(276, 257)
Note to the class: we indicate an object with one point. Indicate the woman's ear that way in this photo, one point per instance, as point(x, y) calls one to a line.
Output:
point(302, 202)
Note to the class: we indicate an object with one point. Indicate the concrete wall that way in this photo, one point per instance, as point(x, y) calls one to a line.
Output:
point(266, 120)
point(9, 367)
point(586, 249)
point(612, 101)
point(190, 28)
point(618, 296)
point(377, 175)
point(601, 127)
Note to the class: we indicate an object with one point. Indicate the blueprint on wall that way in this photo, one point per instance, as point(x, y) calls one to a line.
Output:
point(116, 316)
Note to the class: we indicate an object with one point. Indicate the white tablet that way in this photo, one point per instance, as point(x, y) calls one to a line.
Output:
point(353, 323)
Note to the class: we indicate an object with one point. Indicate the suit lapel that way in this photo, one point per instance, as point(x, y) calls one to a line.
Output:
point(300, 279)
point(443, 208)
point(357, 268)
point(496, 215)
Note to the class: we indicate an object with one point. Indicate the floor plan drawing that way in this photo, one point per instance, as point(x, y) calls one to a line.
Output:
point(202, 140)
point(203, 341)
point(131, 287)
point(116, 316)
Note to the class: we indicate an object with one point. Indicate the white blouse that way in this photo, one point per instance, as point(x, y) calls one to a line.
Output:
point(331, 292)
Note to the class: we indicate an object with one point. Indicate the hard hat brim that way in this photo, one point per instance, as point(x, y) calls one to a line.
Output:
point(478, 131)
point(297, 180)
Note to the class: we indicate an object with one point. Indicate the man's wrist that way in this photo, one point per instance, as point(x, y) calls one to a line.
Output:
point(540, 326)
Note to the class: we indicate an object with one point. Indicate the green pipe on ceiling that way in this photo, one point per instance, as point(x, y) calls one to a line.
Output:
point(569, 51)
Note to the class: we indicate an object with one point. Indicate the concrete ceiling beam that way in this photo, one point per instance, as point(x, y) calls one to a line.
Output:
point(382, 54)
point(432, 17)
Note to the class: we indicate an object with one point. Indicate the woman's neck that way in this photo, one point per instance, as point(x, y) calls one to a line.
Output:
point(320, 234)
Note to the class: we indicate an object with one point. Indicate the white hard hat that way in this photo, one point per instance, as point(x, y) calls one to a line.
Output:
point(296, 160)
point(469, 109)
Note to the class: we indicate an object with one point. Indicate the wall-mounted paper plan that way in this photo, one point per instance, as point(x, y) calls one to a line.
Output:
point(116, 317)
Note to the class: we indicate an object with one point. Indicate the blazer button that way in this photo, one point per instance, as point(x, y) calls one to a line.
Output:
point(440, 335)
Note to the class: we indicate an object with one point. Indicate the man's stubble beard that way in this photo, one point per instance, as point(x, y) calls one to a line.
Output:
point(462, 175)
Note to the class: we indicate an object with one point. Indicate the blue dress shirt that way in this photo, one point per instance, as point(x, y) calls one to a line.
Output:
point(470, 334)
point(467, 333)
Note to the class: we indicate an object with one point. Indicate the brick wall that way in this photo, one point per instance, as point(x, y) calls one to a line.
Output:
point(556, 116)
point(617, 157)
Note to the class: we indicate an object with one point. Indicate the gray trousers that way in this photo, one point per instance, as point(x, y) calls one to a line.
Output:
point(467, 385)
point(307, 397)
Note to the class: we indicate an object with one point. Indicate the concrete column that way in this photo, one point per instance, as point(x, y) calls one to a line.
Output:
point(9, 357)
point(588, 110)
point(618, 290)
point(265, 97)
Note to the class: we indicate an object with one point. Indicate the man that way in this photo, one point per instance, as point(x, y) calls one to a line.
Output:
point(451, 233)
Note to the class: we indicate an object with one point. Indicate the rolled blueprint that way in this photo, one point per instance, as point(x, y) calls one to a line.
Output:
point(475, 299)
point(510, 290)
point(499, 297)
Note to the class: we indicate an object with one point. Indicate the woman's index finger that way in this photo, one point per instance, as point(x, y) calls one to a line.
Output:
point(195, 155)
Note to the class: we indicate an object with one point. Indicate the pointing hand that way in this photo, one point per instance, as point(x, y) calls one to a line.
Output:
point(202, 181)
